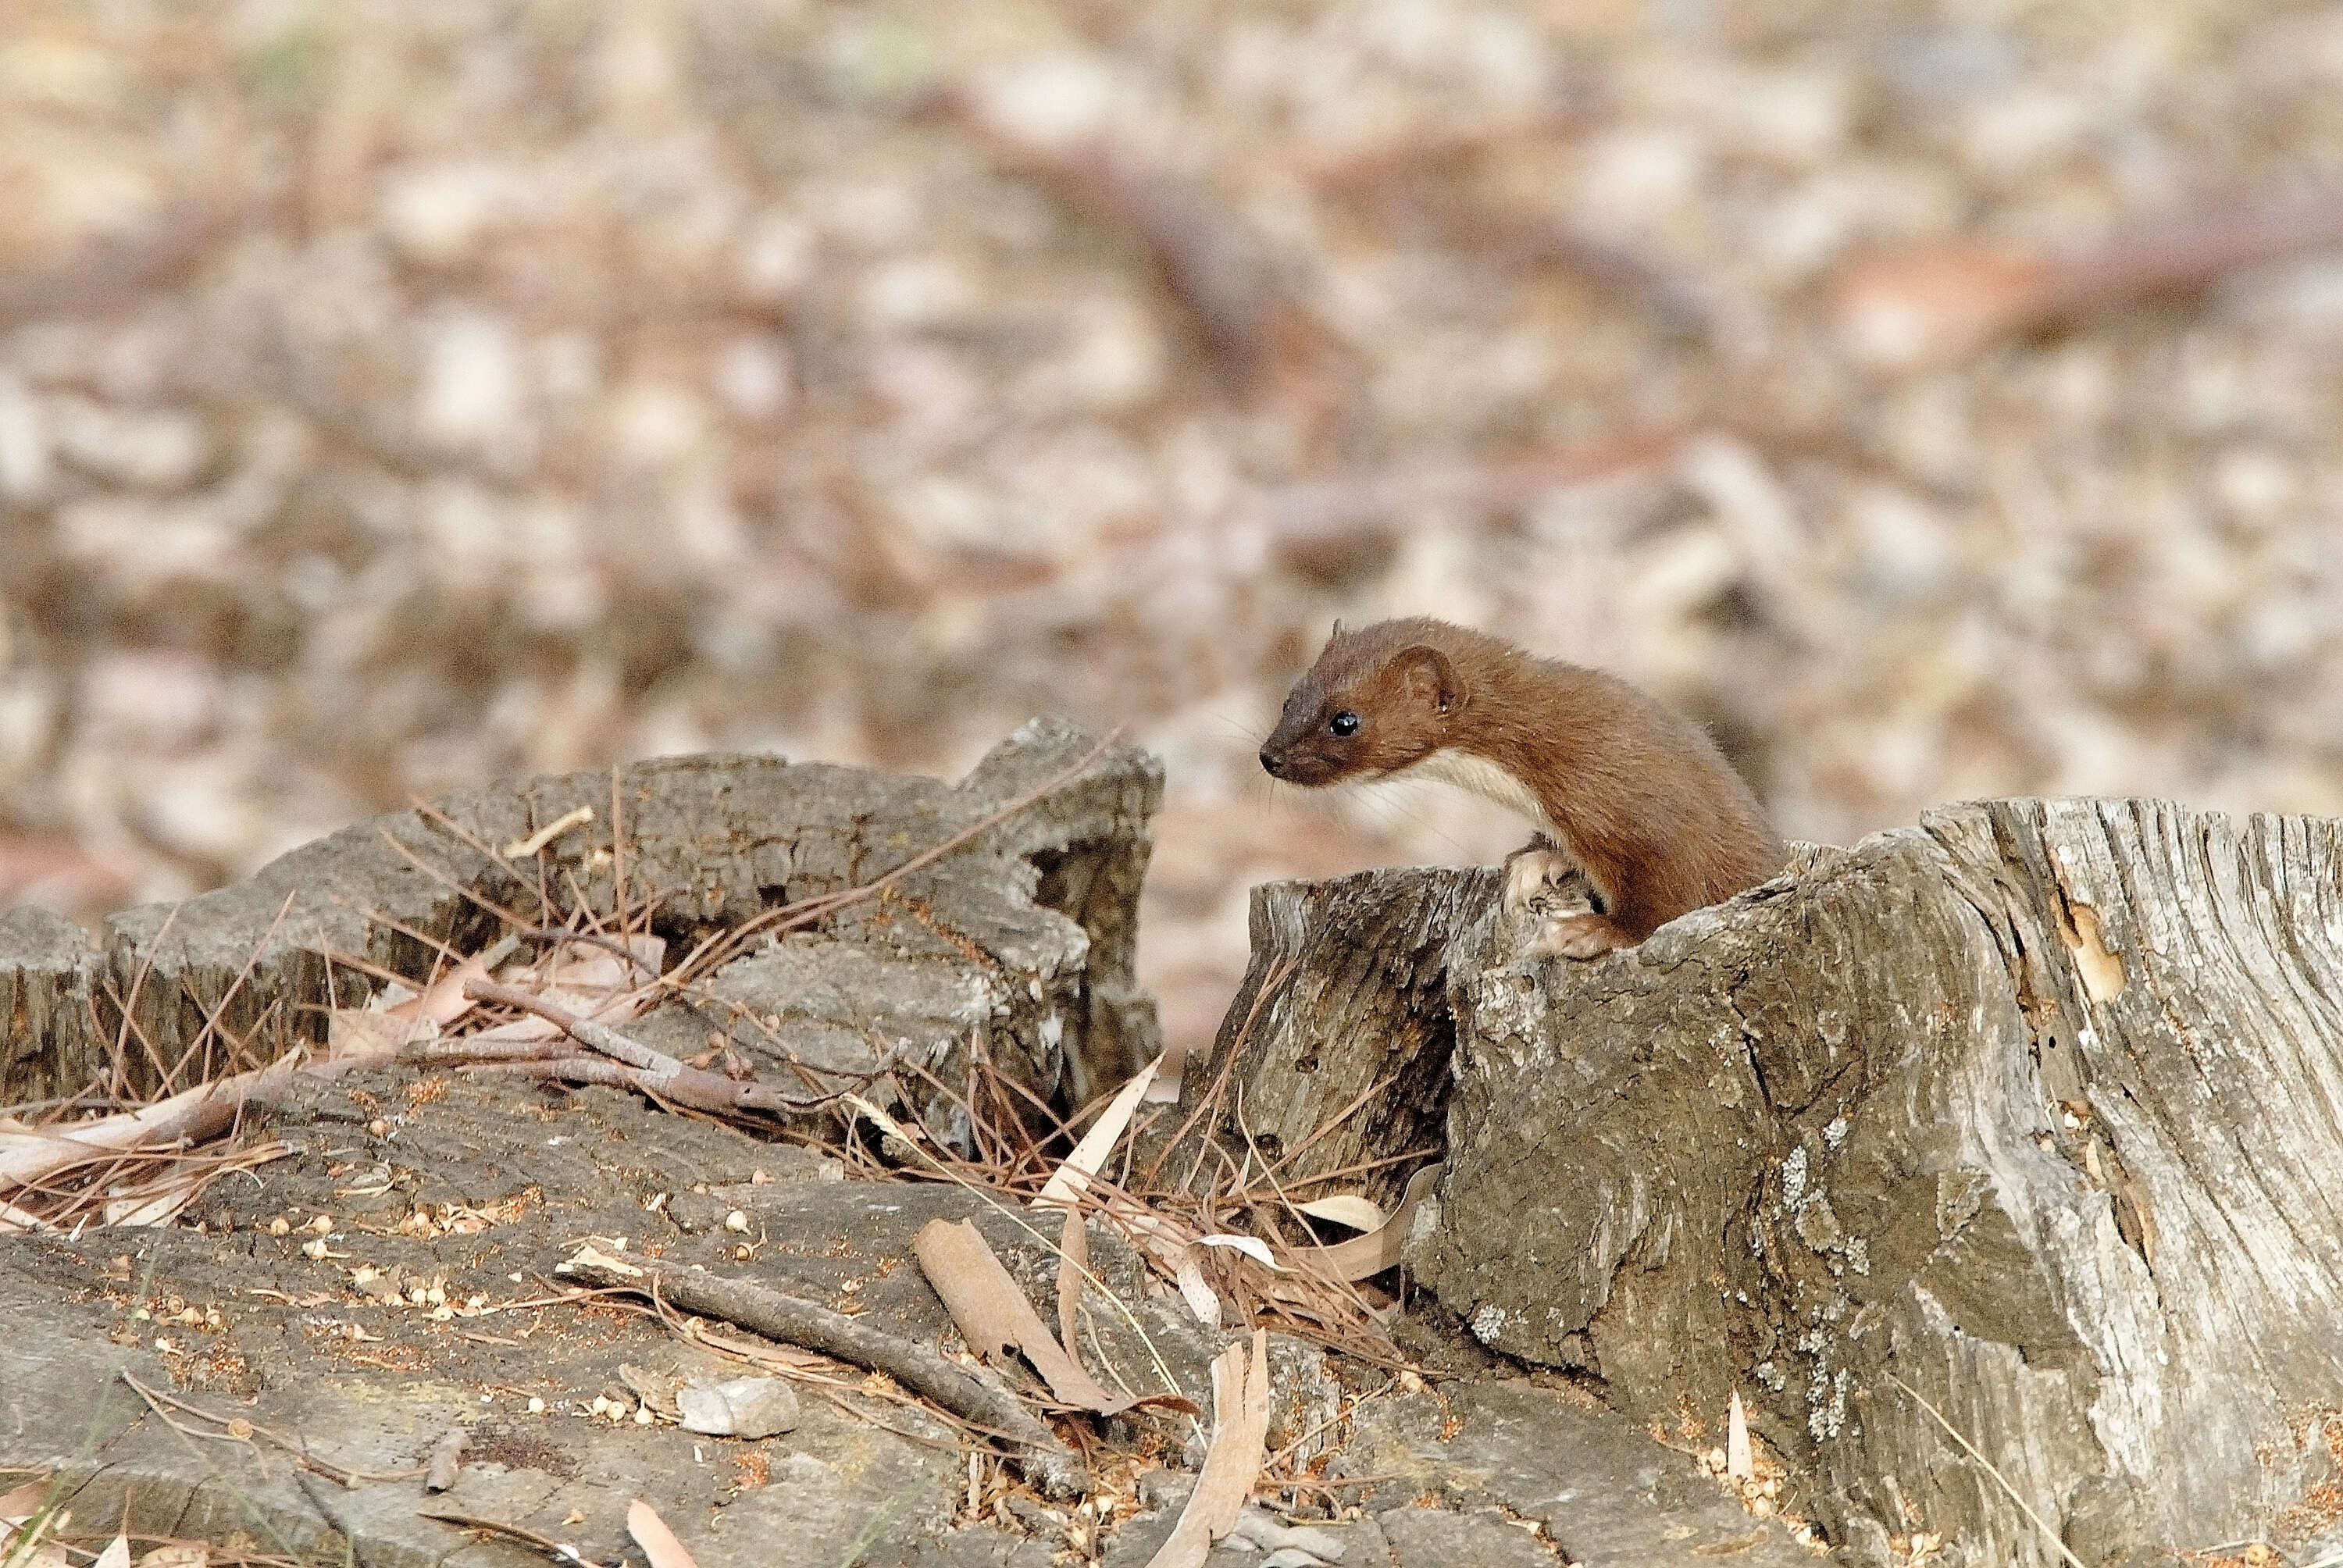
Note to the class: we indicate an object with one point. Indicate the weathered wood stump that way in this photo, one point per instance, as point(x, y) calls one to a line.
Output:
point(2031, 1112)
point(1017, 945)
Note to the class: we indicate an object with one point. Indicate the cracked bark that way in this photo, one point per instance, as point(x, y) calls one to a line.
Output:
point(2032, 1107)
point(1020, 944)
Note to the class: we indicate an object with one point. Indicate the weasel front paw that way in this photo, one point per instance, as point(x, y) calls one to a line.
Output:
point(1542, 877)
point(1581, 936)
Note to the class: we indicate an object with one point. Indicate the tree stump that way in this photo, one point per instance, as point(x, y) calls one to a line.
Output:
point(1342, 1032)
point(2031, 1112)
point(1017, 945)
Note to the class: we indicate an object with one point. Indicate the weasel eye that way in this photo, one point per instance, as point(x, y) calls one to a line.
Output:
point(1345, 723)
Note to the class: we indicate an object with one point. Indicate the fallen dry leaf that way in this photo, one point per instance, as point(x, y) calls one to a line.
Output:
point(177, 1554)
point(1347, 1208)
point(359, 1032)
point(23, 1502)
point(994, 1315)
point(1363, 1257)
point(443, 1001)
point(1253, 1247)
point(657, 1541)
point(1195, 1290)
point(155, 1208)
point(1232, 1462)
point(1072, 1177)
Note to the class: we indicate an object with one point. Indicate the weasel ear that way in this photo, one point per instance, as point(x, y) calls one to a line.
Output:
point(1426, 673)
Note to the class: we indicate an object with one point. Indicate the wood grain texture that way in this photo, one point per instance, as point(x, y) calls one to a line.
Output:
point(2033, 1108)
point(1344, 1001)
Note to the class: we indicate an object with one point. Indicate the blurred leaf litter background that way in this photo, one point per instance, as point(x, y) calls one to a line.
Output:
point(396, 397)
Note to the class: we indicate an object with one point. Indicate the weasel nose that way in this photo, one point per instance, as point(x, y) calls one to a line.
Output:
point(1271, 762)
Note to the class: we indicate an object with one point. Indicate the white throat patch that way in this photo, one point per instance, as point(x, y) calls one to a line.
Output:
point(1483, 778)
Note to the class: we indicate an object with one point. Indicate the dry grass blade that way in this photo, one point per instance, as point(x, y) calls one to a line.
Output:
point(212, 1014)
point(1209, 1103)
point(1073, 1263)
point(1971, 1449)
point(128, 1006)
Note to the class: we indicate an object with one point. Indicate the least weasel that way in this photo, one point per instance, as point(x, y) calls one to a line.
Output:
point(1620, 786)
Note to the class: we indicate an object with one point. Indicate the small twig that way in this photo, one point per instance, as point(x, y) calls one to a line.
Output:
point(357, 1554)
point(524, 849)
point(1046, 1461)
point(834, 1390)
point(663, 1074)
point(559, 935)
point(470, 1050)
point(1205, 1101)
point(557, 1550)
point(156, 1400)
point(212, 1015)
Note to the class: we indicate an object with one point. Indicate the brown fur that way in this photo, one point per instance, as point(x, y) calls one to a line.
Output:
point(1632, 789)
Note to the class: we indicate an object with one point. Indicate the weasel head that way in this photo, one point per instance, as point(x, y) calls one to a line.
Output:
point(1378, 701)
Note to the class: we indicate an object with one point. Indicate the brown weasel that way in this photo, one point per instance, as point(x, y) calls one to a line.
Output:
point(1626, 790)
